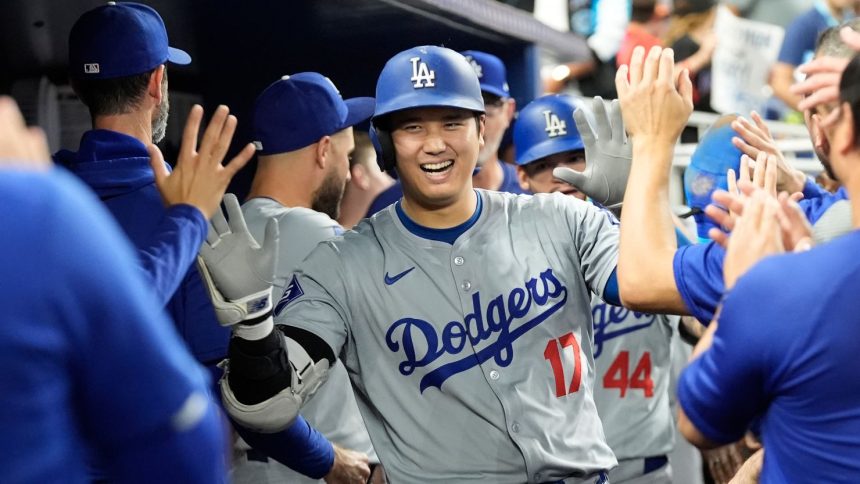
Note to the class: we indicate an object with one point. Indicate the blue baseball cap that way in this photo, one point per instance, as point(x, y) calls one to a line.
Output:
point(119, 40)
point(546, 127)
point(491, 72)
point(296, 111)
point(713, 157)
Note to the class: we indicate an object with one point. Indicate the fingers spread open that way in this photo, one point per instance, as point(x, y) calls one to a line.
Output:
point(770, 174)
point(622, 84)
point(584, 127)
point(666, 66)
point(744, 169)
point(637, 61)
point(759, 169)
point(651, 67)
point(239, 161)
point(234, 211)
point(213, 131)
point(220, 223)
point(617, 121)
point(156, 161)
point(189, 134)
point(732, 181)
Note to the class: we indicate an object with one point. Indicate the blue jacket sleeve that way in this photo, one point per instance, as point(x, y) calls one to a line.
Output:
point(698, 272)
point(300, 447)
point(144, 429)
point(172, 250)
point(724, 389)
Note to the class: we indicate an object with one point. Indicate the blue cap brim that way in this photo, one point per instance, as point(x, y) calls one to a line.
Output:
point(547, 148)
point(495, 91)
point(178, 56)
point(360, 109)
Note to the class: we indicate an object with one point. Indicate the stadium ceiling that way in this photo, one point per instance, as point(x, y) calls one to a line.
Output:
point(33, 33)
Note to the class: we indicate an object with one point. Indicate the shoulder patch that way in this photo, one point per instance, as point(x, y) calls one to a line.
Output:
point(292, 292)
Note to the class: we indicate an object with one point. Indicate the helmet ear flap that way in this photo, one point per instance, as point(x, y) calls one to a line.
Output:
point(380, 138)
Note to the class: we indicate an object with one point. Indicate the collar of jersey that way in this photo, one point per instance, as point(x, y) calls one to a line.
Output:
point(106, 145)
point(449, 235)
point(111, 163)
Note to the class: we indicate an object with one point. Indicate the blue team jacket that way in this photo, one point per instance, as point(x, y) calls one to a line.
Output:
point(117, 168)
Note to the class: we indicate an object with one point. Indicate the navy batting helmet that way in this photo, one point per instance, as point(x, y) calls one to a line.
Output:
point(546, 127)
point(426, 76)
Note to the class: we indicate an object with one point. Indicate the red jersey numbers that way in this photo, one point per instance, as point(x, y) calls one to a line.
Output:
point(554, 353)
point(619, 376)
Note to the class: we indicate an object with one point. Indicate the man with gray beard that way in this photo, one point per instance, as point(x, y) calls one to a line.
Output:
point(117, 57)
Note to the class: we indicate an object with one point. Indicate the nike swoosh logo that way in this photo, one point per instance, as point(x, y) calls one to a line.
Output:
point(391, 280)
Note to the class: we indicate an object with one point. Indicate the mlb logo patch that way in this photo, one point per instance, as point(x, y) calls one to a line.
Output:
point(92, 68)
point(292, 292)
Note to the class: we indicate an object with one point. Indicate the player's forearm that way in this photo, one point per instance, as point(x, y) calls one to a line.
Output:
point(266, 383)
point(648, 242)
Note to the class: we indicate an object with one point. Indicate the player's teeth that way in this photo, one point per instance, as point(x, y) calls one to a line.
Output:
point(437, 166)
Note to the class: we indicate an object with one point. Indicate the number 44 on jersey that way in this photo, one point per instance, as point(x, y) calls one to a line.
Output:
point(618, 375)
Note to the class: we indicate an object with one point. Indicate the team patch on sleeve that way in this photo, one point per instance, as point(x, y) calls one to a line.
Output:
point(292, 292)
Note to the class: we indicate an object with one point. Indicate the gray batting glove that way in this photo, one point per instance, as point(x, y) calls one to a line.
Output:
point(608, 155)
point(238, 273)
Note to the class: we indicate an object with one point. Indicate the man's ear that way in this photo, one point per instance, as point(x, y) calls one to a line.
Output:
point(153, 88)
point(843, 139)
point(359, 176)
point(323, 151)
point(510, 109)
point(819, 136)
point(523, 179)
point(481, 126)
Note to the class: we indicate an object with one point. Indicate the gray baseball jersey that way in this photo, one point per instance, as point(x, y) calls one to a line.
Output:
point(633, 356)
point(335, 413)
point(472, 362)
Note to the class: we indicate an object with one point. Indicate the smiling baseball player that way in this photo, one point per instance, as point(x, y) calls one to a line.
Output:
point(462, 316)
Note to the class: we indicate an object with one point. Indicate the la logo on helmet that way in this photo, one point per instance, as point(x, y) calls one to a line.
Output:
point(422, 76)
point(554, 125)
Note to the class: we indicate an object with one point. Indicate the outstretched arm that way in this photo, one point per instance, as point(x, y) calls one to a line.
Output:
point(655, 104)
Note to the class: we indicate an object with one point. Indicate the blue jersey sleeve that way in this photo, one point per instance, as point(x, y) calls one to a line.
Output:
point(698, 270)
point(173, 248)
point(813, 190)
point(723, 390)
point(814, 208)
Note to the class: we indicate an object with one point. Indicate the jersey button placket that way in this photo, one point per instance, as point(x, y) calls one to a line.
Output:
point(494, 375)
